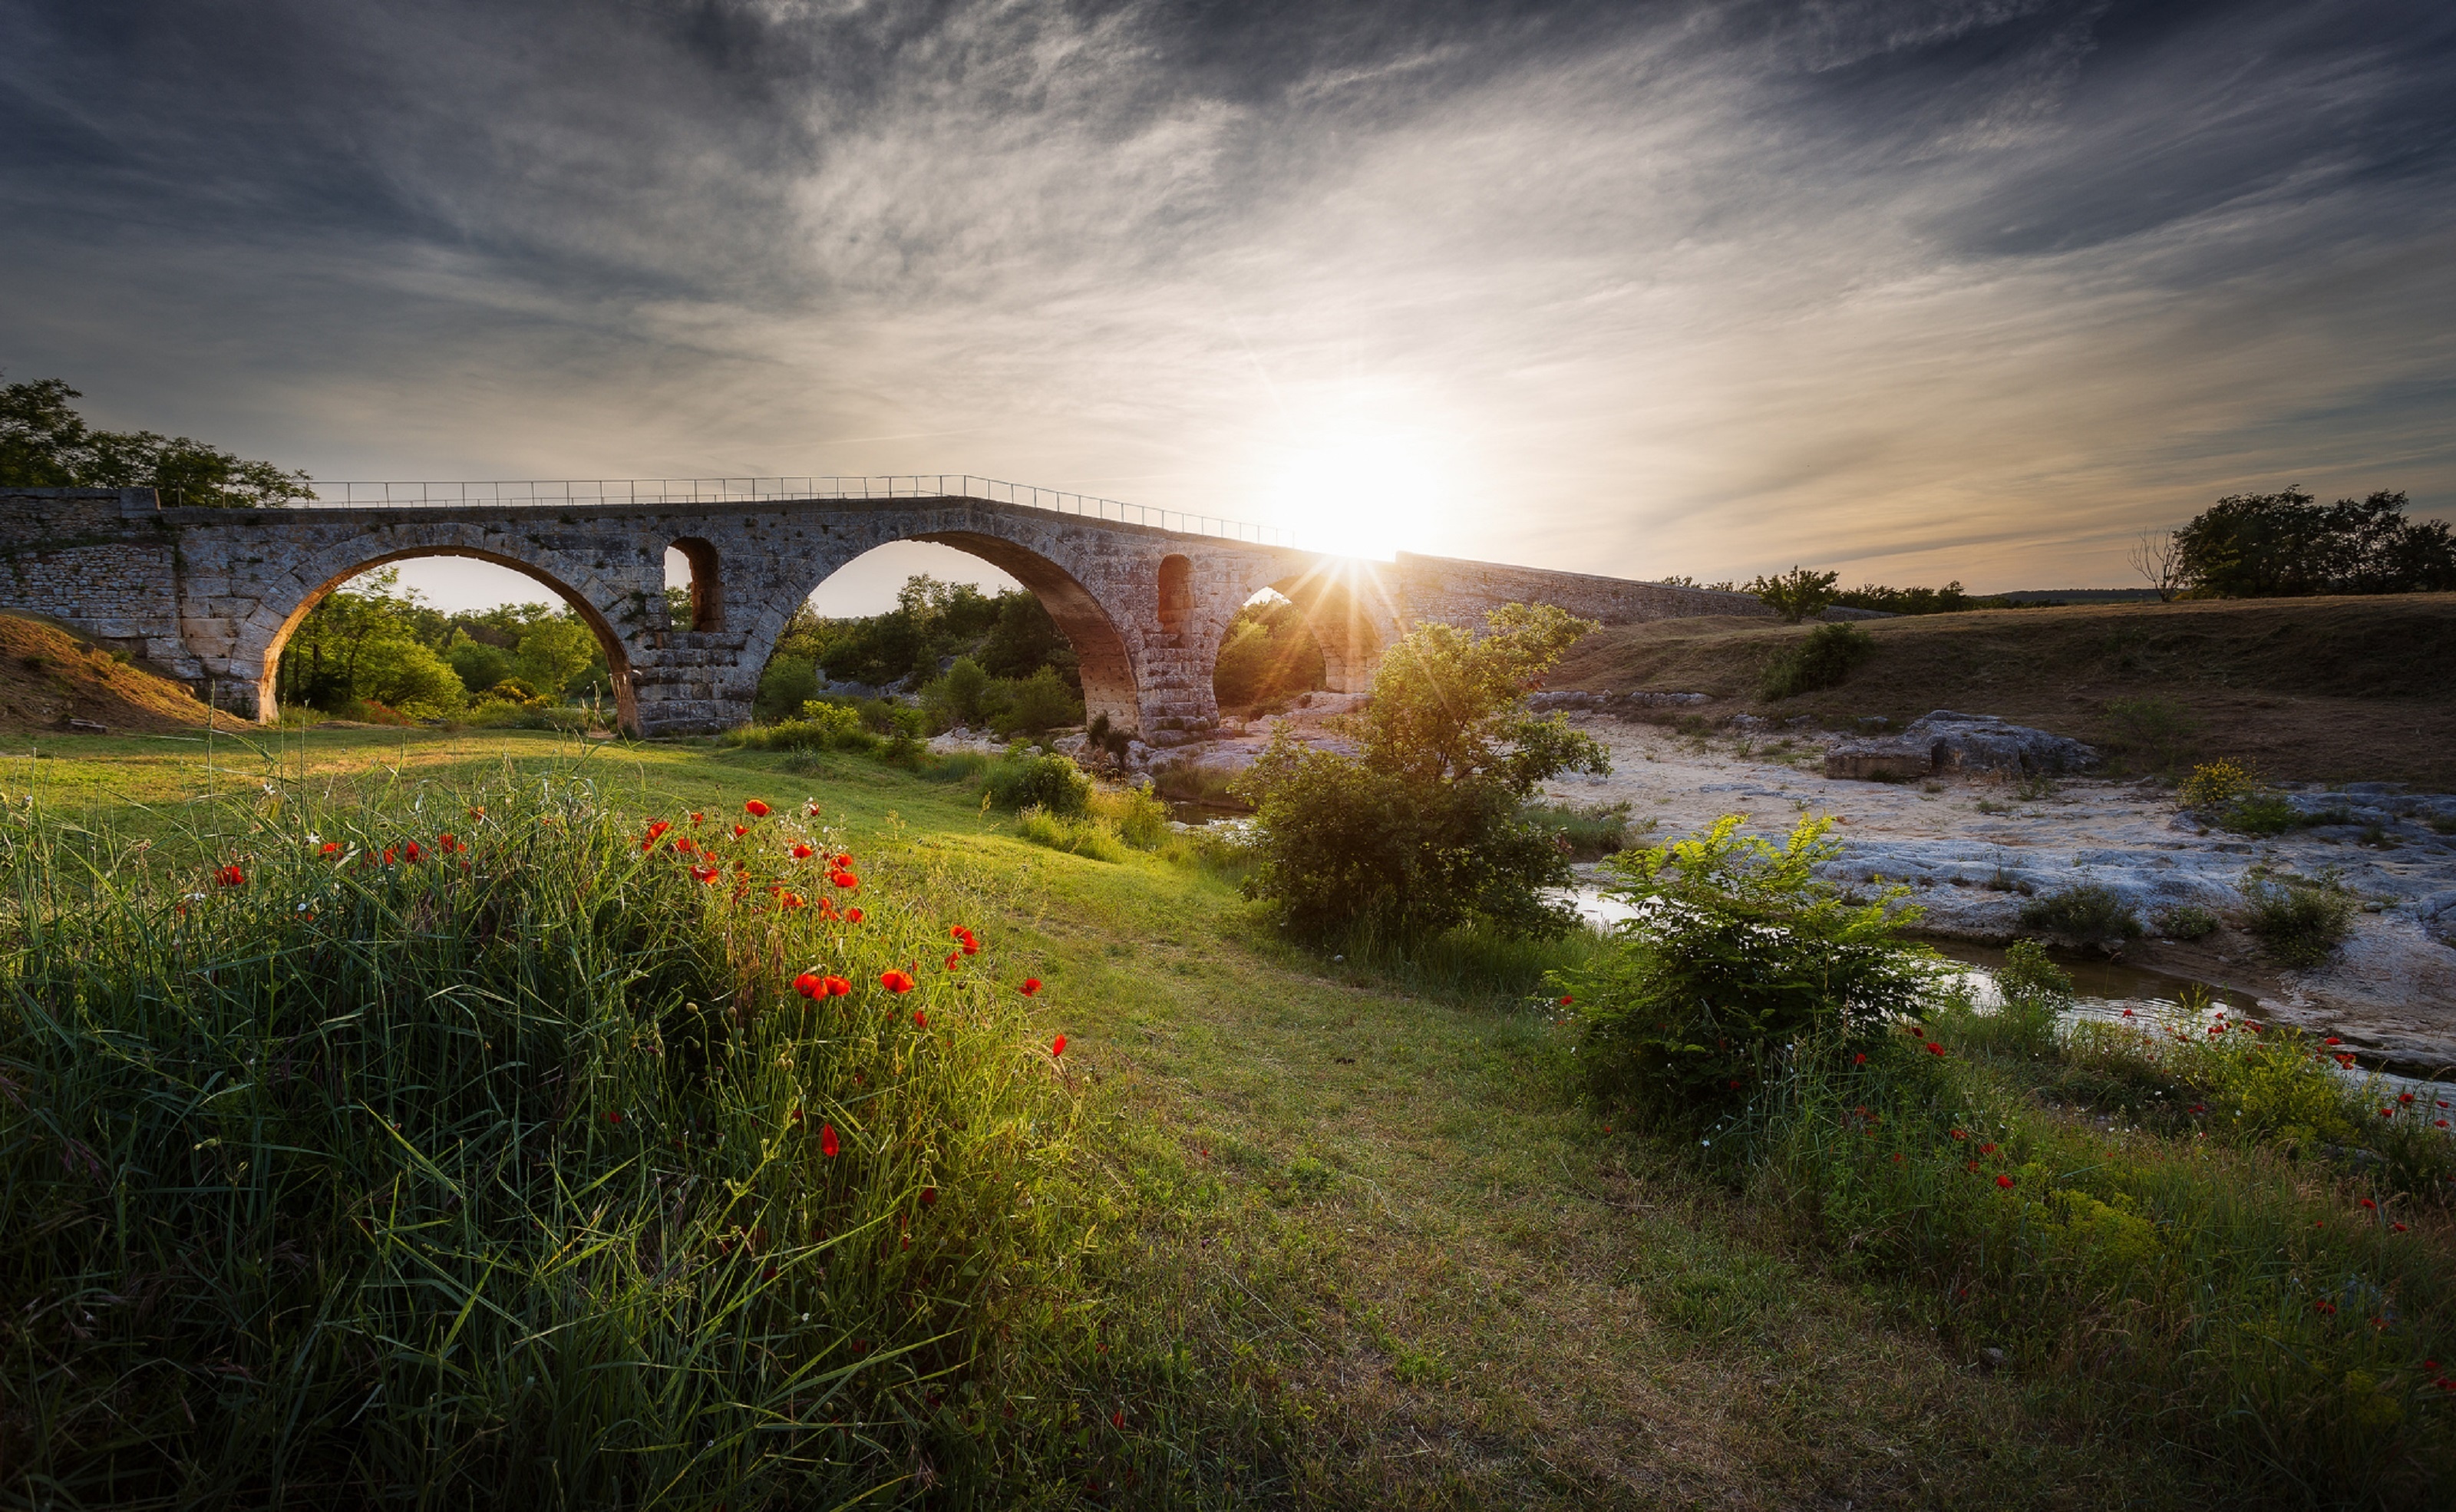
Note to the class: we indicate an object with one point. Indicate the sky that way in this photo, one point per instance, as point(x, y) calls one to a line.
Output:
point(1913, 290)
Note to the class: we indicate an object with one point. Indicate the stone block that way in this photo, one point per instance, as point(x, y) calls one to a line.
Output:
point(1884, 760)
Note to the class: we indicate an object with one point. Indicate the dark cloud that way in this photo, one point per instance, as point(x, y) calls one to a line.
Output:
point(1691, 286)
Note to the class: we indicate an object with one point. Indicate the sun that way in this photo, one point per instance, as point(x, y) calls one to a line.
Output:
point(1363, 494)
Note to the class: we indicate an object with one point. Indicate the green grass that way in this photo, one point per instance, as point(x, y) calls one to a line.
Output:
point(1303, 1232)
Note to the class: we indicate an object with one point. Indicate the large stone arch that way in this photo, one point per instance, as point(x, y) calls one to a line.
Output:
point(254, 657)
point(1352, 617)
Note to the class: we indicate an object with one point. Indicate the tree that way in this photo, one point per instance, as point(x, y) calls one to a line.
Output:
point(553, 653)
point(45, 443)
point(1424, 829)
point(2159, 557)
point(2287, 545)
point(1796, 594)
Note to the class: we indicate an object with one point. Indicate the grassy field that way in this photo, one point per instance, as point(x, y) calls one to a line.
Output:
point(1326, 1233)
point(2313, 689)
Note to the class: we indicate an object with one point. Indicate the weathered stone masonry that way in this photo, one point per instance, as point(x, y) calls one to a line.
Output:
point(210, 595)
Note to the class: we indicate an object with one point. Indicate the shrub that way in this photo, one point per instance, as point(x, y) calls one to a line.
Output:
point(1735, 952)
point(1823, 659)
point(956, 696)
point(1139, 819)
point(1050, 782)
point(2187, 922)
point(1797, 594)
point(821, 726)
point(2157, 728)
point(2223, 780)
point(2299, 921)
point(787, 684)
point(2037, 994)
point(2265, 814)
point(1422, 829)
point(1596, 829)
point(2086, 914)
point(1035, 703)
point(1091, 837)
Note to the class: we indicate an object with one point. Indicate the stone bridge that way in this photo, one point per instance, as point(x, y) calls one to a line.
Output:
point(211, 596)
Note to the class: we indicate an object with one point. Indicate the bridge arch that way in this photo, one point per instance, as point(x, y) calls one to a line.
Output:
point(265, 634)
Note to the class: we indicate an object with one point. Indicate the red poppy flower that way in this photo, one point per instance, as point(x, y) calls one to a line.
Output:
point(685, 847)
point(1566, 1000)
point(1735, 1085)
point(929, 1196)
point(795, 1116)
point(1030, 987)
point(839, 986)
point(827, 1145)
point(1059, 1047)
point(613, 1117)
point(1897, 1155)
point(1860, 1059)
point(655, 830)
point(2405, 1096)
point(1987, 1149)
point(955, 958)
point(447, 843)
point(2398, 1227)
point(2388, 1112)
point(844, 861)
point(1959, 1134)
point(706, 874)
point(2217, 1028)
point(920, 1019)
point(844, 879)
point(853, 916)
point(2127, 1012)
point(802, 852)
point(2368, 1203)
point(2332, 1040)
point(810, 985)
point(756, 809)
point(229, 876)
point(1935, 1048)
point(1118, 1418)
point(896, 981)
point(739, 831)
point(2004, 1182)
point(696, 818)
point(790, 900)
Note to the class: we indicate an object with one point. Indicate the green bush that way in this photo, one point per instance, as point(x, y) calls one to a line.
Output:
point(2263, 815)
point(1139, 819)
point(1034, 704)
point(1795, 594)
point(2187, 922)
point(821, 726)
point(2299, 921)
point(2222, 781)
point(1823, 659)
point(1050, 782)
point(1585, 833)
point(1423, 829)
point(788, 682)
point(1736, 953)
point(958, 696)
point(1089, 836)
point(2086, 914)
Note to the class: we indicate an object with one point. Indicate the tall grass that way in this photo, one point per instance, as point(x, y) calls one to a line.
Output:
point(462, 1146)
point(2286, 1325)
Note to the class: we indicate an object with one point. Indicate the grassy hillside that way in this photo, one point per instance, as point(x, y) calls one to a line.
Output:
point(1329, 1238)
point(50, 676)
point(2316, 690)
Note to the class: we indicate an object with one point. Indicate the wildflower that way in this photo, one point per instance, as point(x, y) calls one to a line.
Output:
point(447, 843)
point(1860, 1059)
point(739, 831)
point(827, 1145)
point(476, 813)
point(794, 1117)
point(2368, 1203)
point(389, 858)
point(929, 1196)
point(230, 877)
point(1987, 1149)
point(1118, 1418)
point(839, 986)
point(696, 818)
point(2328, 1309)
point(2333, 1040)
point(844, 879)
point(920, 1019)
point(656, 831)
point(411, 851)
point(2405, 1096)
point(1058, 1047)
point(2006, 1182)
point(614, 1118)
point(2127, 1012)
point(1974, 1167)
point(1031, 987)
point(1958, 1134)
point(1897, 1158)
point(802, 852)
point(1566, 1000)
point(1935, 1048)
point(844, 861)
point(1735, 1084)
point(2388, 1112)
point(790, 900)
point(2398, 1227)
point(853, 916)
point(955, 958)
point(896, 981)
point(685, 847)
point(756, 809)
point(2217, 1028)
point(706, 874)
point(810, 985)
point(331, 848)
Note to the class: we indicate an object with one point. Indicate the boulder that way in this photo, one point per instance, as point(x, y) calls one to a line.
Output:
point(1984, 743)
point(1894, 759)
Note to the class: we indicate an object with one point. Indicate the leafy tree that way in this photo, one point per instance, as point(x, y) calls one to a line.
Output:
point(1424, 829)
point(480, 665)
point(1267, 656)
point(2287, 545)
point(1036, 703)
point(958, 696)
point(45, 443)
point(1796, 594)
point(554, 652)
point(1733, 953)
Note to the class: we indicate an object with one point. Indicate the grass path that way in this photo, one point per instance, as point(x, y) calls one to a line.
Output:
point(1359, 1246)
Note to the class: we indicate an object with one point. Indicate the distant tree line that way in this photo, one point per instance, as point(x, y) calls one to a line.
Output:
point(45, 443)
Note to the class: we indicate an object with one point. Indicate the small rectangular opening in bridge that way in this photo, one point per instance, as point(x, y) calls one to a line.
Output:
point(691, 563)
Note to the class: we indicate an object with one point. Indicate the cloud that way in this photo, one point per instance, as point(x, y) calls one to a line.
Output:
point(1933, 288)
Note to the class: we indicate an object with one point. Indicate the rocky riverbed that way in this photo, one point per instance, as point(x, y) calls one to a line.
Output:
point(1977, 848)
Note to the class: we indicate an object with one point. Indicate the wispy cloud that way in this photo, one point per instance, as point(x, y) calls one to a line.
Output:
point(1916, 289)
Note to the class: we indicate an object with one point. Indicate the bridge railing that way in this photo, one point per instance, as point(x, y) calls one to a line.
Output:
point(531, 493)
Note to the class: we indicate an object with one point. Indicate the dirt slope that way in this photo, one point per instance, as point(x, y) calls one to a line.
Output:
point(50, 676)
point(2312, 690)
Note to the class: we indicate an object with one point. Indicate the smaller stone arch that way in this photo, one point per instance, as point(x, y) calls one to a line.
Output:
point(618, 660)
point(1352, 615)
point(706, 582)
point(1175, 592)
